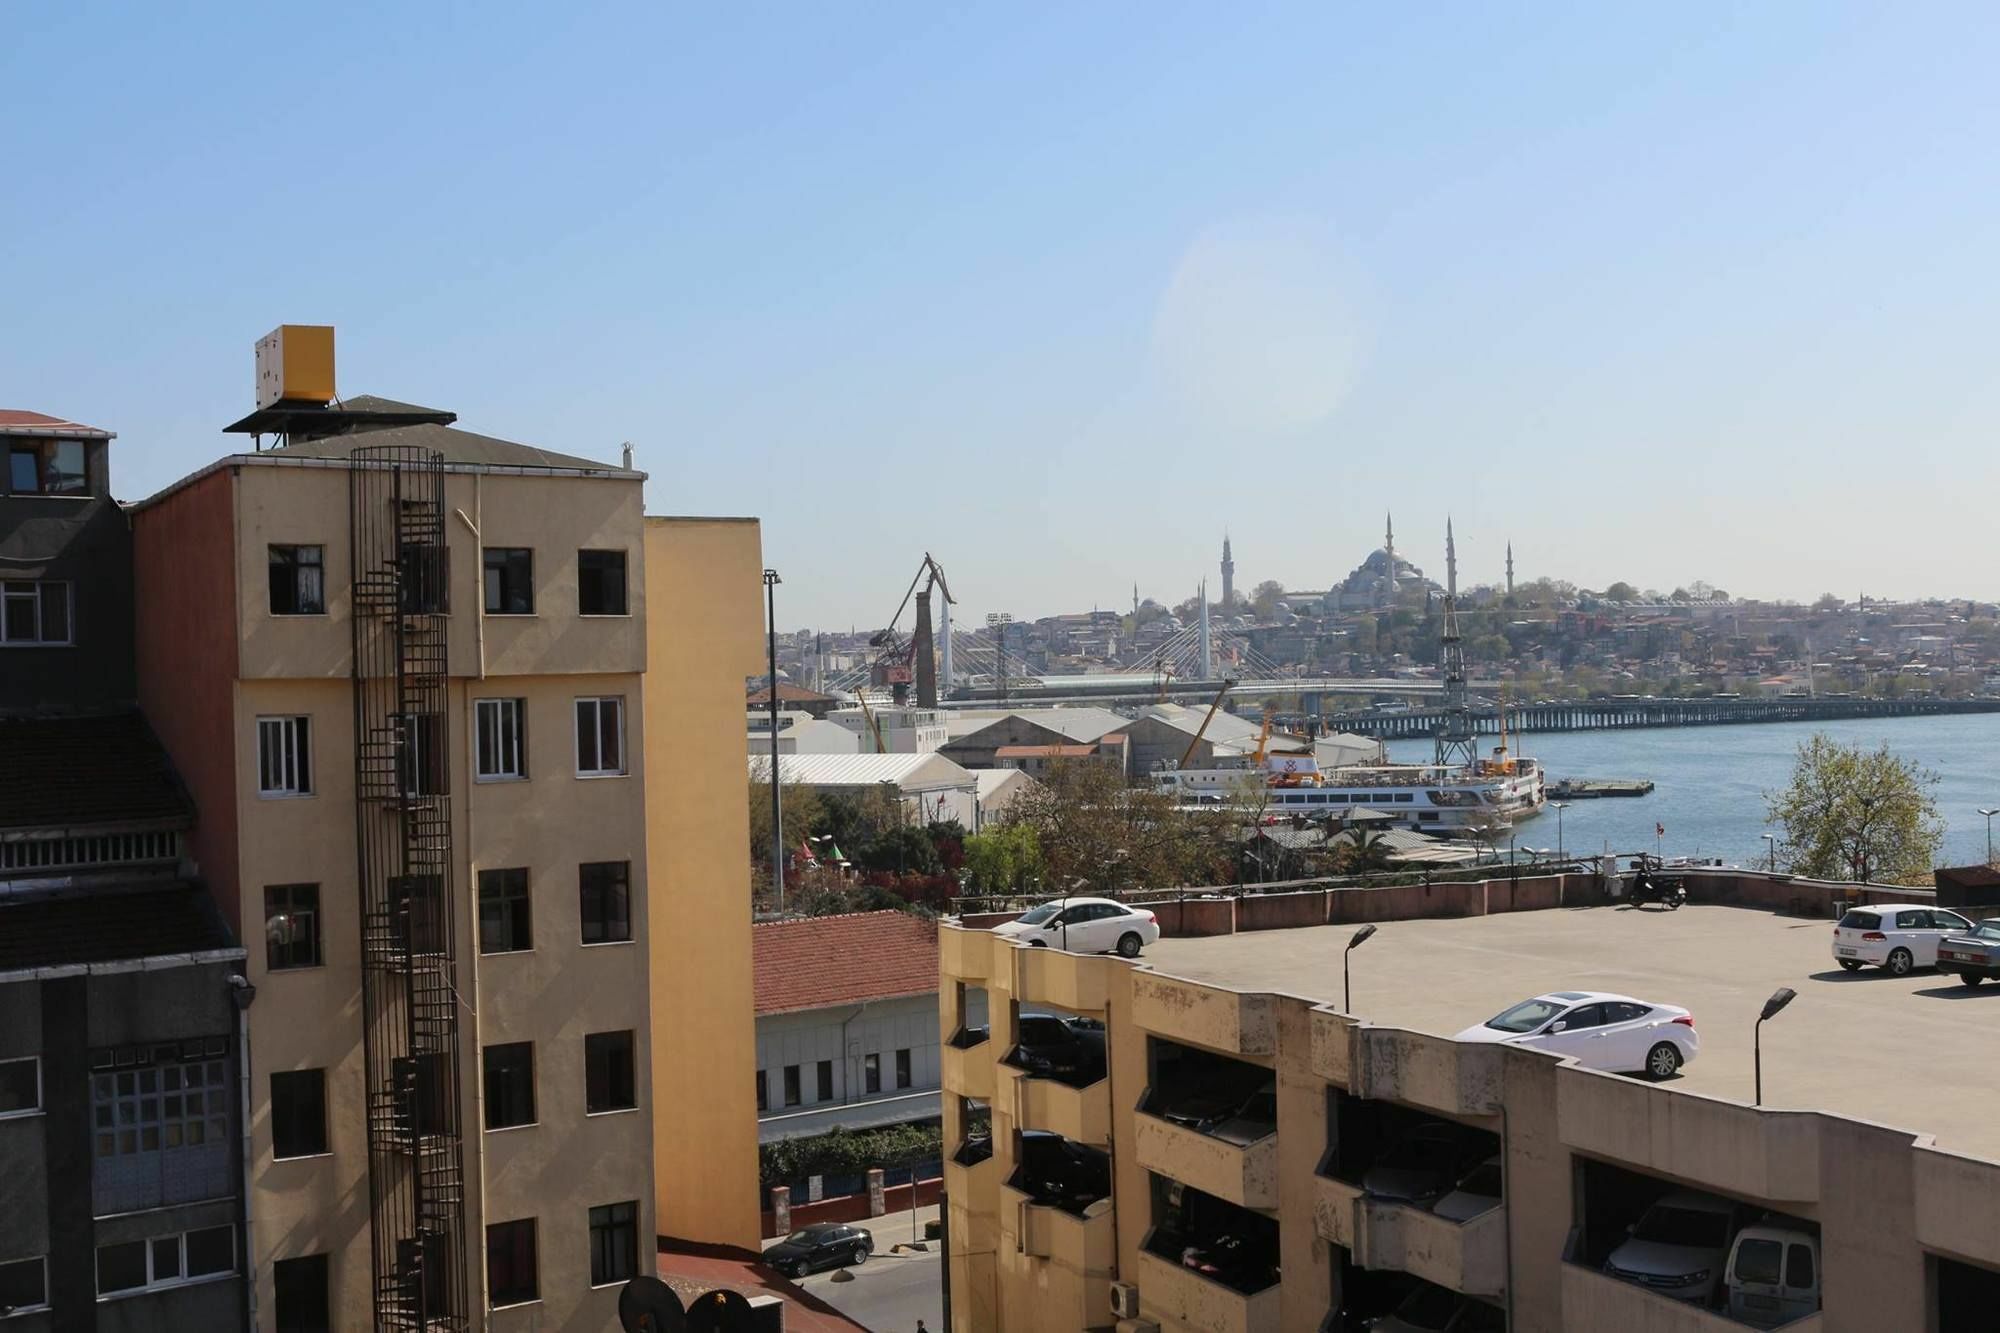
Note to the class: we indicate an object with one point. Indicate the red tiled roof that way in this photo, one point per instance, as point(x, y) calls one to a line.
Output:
point(824, 960)
point(788, 693)
point(14, 421)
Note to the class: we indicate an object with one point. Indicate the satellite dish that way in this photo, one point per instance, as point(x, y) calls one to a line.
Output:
point(648, 1305)
point(720, 1311)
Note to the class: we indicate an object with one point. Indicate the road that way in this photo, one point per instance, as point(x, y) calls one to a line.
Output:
point(893, 1290)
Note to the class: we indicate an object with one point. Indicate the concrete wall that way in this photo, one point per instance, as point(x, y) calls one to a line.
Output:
point(880, 1028)
point(704, 580)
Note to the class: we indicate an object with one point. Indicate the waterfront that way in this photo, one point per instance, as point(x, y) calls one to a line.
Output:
point(1712, 780)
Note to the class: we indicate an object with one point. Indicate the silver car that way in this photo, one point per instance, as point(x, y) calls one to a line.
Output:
point(1973, 955)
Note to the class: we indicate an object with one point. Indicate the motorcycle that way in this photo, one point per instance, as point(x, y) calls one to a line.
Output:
point(1669, 893)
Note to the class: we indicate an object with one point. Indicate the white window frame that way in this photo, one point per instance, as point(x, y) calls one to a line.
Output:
point(491, 713)
point(287, 732)
point(167, 1284)
point(43, 1260)
point(37, 1108)
point(597, 730)
point(10, 589)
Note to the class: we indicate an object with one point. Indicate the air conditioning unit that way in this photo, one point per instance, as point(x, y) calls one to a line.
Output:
point(1124, 1300)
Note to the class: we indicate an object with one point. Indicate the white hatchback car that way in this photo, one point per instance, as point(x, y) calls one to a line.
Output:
point(1894, 936)
point(1615, 1033)
point(1085, 925)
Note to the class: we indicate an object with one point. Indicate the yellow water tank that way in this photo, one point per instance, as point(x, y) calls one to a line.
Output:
point(295, 365)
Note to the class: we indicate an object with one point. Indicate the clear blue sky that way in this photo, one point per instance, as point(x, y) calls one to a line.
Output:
point(1057, 293)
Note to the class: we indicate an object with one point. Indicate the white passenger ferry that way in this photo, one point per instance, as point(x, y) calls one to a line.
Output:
point(1501, 790)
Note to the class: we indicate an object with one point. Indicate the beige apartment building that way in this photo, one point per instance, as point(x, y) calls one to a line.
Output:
point(1247, 1124)
point(402, 668)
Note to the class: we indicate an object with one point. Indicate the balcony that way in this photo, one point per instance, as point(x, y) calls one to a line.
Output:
point(1075, 982)
point(1181, 1297)
point(1244, 1174)
point(1081, 1114)
point(1204, 1016)
point(965, 955)
point(1592, 1300)
point(967, 1071)
point(970, 1191)
point(1085, 1242)
point(1468, 1257)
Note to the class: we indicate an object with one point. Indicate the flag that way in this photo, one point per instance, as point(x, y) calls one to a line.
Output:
point(1659, 830)
point(806, 850)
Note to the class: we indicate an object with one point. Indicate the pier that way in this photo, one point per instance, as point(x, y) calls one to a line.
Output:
point(1611, 714)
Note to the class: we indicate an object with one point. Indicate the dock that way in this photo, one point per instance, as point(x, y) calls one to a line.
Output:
point(1589, 789)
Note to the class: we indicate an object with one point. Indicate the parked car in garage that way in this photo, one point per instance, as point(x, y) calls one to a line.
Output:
point(1772, 1276)
point(1973, 956)
point(1424, 1163)
point(822, 1245)
point(1895, 937)
point(1433, 1309)
point(1477, 1191)
point(1055, 1172)
point(1055, 1046)
point(1615, 1033)
point(1677, 1247)
point(1085, 925)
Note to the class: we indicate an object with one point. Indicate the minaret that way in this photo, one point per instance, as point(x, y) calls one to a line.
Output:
point(1510, 569)
point(1228, 574)
point(1135, 601)
point(1457, 742)
point(1207, 642)
point(1389, 549)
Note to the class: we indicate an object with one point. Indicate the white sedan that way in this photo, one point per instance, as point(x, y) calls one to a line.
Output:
point(1085, 925)
point(1615, 1033)
point(1893, 935)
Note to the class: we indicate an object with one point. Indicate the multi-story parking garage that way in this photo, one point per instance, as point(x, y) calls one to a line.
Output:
point(1276, 1163)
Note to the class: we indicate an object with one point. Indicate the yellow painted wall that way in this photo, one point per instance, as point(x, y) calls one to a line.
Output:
point(705, 633)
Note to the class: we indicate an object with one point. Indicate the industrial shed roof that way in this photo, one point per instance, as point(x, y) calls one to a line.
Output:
point(911, 772)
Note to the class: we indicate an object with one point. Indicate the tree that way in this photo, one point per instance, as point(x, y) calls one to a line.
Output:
point(1828, 601)
point(1097, 835)
point(802, 808)
point(1853, 812)
point(1002, 859)
point(1264, 598)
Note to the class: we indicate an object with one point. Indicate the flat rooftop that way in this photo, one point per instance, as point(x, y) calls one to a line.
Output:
point(1912, 1052)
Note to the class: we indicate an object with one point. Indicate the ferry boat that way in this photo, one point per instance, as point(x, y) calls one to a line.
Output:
point(1504, 789)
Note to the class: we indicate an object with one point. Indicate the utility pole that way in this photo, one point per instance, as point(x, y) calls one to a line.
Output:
point(771, 582)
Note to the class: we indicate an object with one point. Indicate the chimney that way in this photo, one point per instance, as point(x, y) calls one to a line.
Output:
point(628, 455)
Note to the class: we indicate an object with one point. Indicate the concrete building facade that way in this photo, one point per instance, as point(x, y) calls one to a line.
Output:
point(1272, 1227)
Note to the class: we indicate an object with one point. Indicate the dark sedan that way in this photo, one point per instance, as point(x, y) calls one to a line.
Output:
point(822, 1245)
point(1972, 956)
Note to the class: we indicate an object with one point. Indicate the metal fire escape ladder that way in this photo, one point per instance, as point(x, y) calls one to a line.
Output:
point(416, 1179)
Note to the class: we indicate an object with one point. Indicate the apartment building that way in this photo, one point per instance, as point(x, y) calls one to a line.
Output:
point(1266, 1161)
point(121, 989)
point(400, 666)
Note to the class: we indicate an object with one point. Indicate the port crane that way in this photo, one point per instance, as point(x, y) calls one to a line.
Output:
point(901, 663)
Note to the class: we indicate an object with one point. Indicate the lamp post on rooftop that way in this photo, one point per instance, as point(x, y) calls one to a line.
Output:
point(1771, 846)
point(1989, 830)
point(771, 582)
point(1780, 997)
point(1359, 938)
point(1559, 807)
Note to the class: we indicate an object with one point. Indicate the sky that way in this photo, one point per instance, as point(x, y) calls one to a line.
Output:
point(1060, 293)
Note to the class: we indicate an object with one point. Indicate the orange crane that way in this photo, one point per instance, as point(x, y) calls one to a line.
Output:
point(1202, 730)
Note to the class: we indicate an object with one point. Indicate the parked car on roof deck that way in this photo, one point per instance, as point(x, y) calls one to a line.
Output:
point(1973, 956)
point(1615, 1033)
point(1895, 937)
point(1085, 925)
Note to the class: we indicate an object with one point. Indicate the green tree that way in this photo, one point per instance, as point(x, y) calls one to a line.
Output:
point(1853, 812)
point(1621, 591)
point(1828, 601)
point(1264, 598)
point(1098, 836)
point(802, 809)
point(1002, 859)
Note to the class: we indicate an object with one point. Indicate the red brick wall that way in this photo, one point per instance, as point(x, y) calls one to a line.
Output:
point(184, 577)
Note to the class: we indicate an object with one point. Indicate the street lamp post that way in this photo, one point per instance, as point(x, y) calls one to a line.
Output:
point(1780, 997)
point(771, 582)
point(1359, 938)
point(1989, 830)
point(1771, 846)
point(1559, 807)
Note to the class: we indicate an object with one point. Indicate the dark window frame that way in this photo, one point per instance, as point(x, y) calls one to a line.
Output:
point(295, 580)
point(507, 580)
point(871, 1073)
point(507, 1083)
point(512, 1248)
point(792, 1089)
point(285, 906)
point(506, 911)
point(601, 583)
point(501, 730)
point(604, 907)
point(34, 1064)
point(598, 719)
point(46, 600)
point(610, 1072)
point(298, 1114)
point(12, 1286)
point(286, 756)
point(614, 1243)
point(823, 1080)
point(905, 1067)
point(307, 1279)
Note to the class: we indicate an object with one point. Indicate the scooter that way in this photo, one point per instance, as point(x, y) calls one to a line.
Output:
point(1669, 894)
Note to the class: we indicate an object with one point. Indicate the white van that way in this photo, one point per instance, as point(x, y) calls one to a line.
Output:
point(1772, 1276)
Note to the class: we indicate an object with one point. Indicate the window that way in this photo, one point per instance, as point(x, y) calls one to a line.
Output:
point(763, 1102)
point(1585, 1016)
point(291, 926)
point(24, 1285)
point(871, 1072)
point(20, 1086)
point(510, 1085)
point(1799, 1267)
point(302, 1305)
point(298, 580)
point(503, 739)
point(903, 1067)
point(51, 467)
point(607, 1073)
point(614, 1243)
point(605, 901)
point(284, 756)
point(600, 583)
point(34, 613)
point(600, 737)
point(24, 469)
point(510, 1264)
point(158, 1099)
point(298, 1113)
point(510, 581)
point(791, 1085)
point(420, 762)
point(825, 1073)
point(503, 911)
point(166, 1261)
